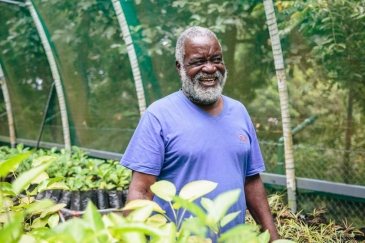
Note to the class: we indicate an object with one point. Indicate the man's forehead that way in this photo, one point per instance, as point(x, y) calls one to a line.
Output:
point(202, 42)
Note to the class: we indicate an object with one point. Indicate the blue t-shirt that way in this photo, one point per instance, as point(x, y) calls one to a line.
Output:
point(177, 141)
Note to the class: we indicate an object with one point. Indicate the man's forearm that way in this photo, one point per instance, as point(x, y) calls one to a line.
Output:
point(258, 206)
point(139, 188)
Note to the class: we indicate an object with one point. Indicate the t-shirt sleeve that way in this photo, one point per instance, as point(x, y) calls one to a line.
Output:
point(145, 151)
point(256, 162)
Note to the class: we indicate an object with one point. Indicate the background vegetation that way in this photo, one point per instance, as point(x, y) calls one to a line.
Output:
point(322, 45)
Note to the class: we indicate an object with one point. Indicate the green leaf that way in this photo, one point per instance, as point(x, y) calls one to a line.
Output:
point(139, 203)
point(223, 202)
point(156, 220)
point(239, 233)
point(196, 189)
point(41, 177)
point(164, 189)
point(283, 241)
point(6, 204)
point(140, 214)
point(39, 222)
point(12, 231)
point(10, 164)
point(195, 226)
point(27, 239)
point(228, 218)
point(7, 189)
point(25, 178)
point(192, 207)
point(93, 217)
point(42, 160)
point(207, 204)
point(53, 209)
point(53, 220)
point(264, 237)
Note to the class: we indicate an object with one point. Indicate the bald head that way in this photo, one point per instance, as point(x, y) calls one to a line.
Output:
point(195, 31)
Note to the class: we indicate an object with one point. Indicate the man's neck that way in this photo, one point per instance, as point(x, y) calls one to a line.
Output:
point(213, 109)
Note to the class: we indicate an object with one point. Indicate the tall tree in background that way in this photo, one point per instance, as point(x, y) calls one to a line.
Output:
point(336, 33)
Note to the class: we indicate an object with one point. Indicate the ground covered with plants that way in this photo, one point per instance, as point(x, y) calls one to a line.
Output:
point(39, 188)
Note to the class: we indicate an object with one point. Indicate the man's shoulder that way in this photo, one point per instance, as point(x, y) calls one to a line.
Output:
point(234, 102)
point(164, 103)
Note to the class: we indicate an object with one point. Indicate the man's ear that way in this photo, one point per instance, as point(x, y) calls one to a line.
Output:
point(178, 67)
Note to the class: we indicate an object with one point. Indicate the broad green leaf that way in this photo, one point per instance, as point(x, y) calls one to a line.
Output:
point(156, 220)
point(223, 202)
point(6, 203)
point(164, 189)
point(77, 228)
point(7, 216)
point(169, 233)
point(39, 222)
point(196, 189)
point(25, 178)
point(195, 226)
point(12, 231)
point(27, 239)
point(53, 220)
point(27, 200)
point(239, 233)
point(207, 204)
point(10, 164)
point(53, 209)
point(191, 207)
point(198, 239)
point(283, 241)
point(113, 219)
point(140, 214)
point(142, 203)
point(132, 237)
point(93, 217)
point(41, 177)
point(58, 185)
point(39, 206)
point(264, 237)
point(7, 189)
point(136, 227)
point(228, 218)
point(42, 160)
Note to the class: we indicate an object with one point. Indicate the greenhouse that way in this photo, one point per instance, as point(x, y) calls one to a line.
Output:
point(77, 76)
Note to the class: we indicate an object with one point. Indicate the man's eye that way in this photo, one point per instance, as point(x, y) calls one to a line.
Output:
point(197, 63)
point(217, 60)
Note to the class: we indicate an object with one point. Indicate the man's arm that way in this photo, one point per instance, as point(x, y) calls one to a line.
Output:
point(139, 187)
point(258, 206)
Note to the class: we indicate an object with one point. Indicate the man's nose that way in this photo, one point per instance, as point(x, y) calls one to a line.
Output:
point(209, 67)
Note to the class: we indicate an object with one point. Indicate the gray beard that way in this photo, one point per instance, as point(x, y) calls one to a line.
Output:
point(198, 94)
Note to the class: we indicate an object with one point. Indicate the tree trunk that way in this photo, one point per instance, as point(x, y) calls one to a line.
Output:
point(284, 103)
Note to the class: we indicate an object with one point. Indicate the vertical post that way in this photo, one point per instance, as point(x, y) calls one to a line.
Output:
point(284, 103)
point(9, 113)
point(131, 54)
point(55, 73)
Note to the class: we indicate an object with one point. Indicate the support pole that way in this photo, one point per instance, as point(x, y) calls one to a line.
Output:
point(45, 115)
point(284, 103)
point(55, 73)
point(9, 113)
point(131, 54)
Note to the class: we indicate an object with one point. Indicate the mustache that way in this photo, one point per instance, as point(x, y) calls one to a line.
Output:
point(201, 74)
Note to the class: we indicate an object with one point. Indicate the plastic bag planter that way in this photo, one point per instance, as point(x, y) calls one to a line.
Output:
point(76, 201)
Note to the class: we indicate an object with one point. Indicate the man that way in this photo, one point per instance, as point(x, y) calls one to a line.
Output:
point(198, 134)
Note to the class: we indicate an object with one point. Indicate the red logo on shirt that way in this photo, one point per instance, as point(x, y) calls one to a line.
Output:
point(243, 138)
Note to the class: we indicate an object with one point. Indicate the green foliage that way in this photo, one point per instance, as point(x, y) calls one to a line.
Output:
point(78, 173)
